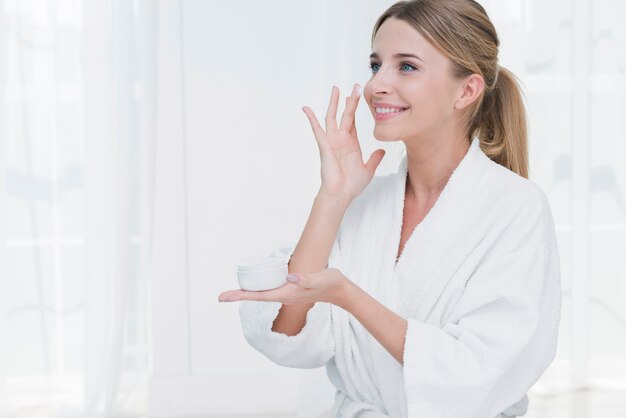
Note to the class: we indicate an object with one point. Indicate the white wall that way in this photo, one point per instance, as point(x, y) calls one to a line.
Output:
point(240, 182)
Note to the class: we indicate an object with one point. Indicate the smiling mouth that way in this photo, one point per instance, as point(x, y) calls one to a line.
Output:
point(386, 110)
point(383, 114)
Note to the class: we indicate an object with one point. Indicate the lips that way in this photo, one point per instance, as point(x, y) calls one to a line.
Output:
point(385, 110)
point(387, 115)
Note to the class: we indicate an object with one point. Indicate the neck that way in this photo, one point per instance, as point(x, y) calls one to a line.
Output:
point(430, 163)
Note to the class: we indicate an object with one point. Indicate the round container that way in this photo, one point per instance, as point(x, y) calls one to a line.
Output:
point(262, 275)
point(264, 264)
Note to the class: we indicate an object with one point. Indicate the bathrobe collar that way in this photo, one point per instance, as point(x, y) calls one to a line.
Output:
point(425, 251)
point(455, 194)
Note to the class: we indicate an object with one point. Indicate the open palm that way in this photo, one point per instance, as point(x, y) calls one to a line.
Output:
point(344, 174)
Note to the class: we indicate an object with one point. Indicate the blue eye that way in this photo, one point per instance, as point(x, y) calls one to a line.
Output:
point(374, 67)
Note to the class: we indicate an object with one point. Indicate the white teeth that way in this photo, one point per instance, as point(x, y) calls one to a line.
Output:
point(387, 110)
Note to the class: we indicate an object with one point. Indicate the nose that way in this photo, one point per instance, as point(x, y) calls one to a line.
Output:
point(381, 82)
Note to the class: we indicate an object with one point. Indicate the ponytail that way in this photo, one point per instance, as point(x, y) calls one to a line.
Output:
point(501, 124)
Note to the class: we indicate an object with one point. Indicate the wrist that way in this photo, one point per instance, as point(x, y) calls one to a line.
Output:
point(348, 293)
point(332, 202)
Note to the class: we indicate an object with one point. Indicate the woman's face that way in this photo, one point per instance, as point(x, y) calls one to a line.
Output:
point(422, 85)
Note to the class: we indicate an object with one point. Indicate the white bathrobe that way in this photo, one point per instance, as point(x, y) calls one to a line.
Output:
point(478, 282)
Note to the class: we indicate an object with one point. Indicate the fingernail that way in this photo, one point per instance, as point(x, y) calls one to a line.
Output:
point(292, 278)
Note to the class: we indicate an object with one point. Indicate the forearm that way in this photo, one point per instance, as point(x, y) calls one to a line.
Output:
point(310, 256)
point(382, 323)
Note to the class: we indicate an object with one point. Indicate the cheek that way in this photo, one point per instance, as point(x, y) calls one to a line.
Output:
point(434, 97)
point(447, 92)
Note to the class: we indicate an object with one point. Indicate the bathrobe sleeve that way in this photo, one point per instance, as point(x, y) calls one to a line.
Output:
point(501, 335)
point(313, 347)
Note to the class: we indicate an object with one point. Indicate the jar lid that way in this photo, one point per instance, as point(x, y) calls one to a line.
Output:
point(265, 264)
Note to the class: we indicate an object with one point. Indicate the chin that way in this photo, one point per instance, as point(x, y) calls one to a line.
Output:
point(386, 135)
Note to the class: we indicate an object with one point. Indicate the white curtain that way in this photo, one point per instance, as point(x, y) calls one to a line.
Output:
point(77, 149)
point(571, 58)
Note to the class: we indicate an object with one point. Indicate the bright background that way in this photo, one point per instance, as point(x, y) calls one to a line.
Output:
point(148, 146)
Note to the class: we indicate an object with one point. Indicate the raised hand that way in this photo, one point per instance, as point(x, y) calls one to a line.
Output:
point(344, 174)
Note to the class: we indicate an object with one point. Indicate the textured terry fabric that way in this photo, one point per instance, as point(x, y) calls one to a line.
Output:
point(311, 348)
point(478, 282)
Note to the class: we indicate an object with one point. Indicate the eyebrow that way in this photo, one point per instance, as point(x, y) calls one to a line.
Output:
point(399, 55)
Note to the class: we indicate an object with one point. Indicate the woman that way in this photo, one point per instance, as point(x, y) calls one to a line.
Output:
point(434, 291)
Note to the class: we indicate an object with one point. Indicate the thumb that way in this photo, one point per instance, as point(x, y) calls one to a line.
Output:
point(298, 279)
point(374, 160)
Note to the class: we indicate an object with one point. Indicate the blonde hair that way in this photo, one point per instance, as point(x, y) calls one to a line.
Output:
point(462, 31)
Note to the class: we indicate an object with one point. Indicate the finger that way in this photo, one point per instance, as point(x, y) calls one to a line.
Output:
point(306, 281)
point(318, 132)
point(346, 107)
point(228, 295)
point(374, 160)
point(331, 114)
point(300, 280)
point(347, 119)
point(272, 295)
point(353, 130)
point(237, 295)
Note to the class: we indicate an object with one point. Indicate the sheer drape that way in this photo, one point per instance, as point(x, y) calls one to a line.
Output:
point(77, 139)
point(571, 59)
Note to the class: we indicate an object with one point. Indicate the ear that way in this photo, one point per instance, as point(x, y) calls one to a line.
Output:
point(470, 89)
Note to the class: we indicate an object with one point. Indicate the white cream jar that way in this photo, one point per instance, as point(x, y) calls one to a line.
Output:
point(263, 275)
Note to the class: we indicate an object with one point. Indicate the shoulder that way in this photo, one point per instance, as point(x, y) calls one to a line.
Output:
point(512, 191)
point(517, 207)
